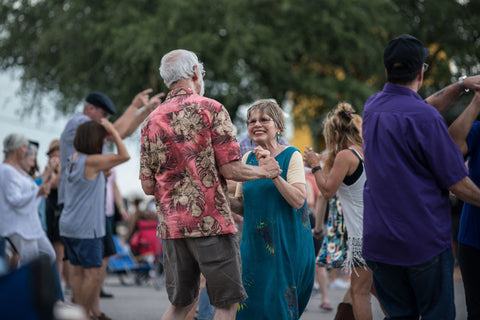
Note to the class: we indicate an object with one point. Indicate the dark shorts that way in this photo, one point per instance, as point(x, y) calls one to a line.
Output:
point(84, 252)
point(109, 248)
point(217, 258)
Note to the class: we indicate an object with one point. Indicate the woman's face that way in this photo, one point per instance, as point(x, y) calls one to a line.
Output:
point(261, 128)
point(28, 162)
point(21, 151)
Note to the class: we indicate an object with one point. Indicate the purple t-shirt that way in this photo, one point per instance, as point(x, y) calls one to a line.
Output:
point(410, 162)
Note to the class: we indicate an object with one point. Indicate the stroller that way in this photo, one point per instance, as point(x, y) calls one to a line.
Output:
point(143, 269)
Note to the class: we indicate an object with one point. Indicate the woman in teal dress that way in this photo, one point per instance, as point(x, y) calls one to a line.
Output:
point(278, 262)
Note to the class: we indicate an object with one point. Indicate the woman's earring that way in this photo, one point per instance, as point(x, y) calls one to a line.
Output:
point(277, 136)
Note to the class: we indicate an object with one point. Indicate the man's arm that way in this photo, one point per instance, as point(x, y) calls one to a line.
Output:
point(442, 99)
point(459, 129)
point(238, 171)
point(129, 120)
point(467, 191)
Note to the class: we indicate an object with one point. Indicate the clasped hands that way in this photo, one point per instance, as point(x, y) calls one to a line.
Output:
point(267, 163)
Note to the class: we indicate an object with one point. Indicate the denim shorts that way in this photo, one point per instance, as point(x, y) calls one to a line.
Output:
point(87, 253)
point(216, 257)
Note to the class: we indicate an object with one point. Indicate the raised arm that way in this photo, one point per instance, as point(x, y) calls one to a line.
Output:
point(130, 120)
point(329, 185)
point(442, 99)
point(459, 129)
point(99, 162)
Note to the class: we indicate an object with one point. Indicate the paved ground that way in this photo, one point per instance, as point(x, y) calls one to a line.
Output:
point(147, 303)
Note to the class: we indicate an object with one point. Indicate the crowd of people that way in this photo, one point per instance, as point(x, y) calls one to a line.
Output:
point(384, 181)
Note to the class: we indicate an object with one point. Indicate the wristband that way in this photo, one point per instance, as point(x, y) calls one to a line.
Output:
point(314, 169)
point(460, 83)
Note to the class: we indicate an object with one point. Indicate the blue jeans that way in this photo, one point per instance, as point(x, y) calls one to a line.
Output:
point(407, 292)
point(205, 309)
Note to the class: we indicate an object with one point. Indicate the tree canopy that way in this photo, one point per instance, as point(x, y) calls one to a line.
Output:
point(318, 52)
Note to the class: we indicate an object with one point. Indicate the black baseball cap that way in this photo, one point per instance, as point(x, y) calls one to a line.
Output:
point(101, 100)
point(404, 56)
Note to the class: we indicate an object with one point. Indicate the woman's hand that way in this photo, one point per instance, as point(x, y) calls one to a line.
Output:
point(310, 157)
point(261, 153)
point(107, 125)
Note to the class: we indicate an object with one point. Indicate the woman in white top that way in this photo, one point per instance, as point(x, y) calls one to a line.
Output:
point(344, 175)
point(19, 199)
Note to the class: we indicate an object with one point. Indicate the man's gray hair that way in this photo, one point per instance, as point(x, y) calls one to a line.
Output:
point(12, 142)
point(178, 64)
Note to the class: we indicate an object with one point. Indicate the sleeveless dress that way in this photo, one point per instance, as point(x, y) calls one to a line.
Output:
point(278, 261)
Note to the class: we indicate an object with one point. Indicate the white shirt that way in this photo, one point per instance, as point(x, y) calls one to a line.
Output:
point(18, 204)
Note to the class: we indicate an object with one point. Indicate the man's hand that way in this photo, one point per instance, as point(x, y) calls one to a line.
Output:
point(154, 102)
point(141, 99)
point(472, 83)
point(271, 167)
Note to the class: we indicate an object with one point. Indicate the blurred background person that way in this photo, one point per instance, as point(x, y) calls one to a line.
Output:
point(346, 176)
point(19, 200)
point(82, 222)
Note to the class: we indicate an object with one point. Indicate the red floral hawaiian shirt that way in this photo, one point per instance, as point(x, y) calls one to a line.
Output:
point(184, 142)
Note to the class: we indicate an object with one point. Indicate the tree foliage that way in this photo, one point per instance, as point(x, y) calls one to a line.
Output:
point(319, 51)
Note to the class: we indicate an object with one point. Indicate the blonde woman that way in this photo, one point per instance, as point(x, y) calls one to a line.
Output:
point(344, 175)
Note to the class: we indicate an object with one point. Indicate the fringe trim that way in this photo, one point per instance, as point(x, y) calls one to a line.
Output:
point(354, 255)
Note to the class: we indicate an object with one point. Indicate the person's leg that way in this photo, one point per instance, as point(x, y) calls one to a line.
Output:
point(432, 283)
point(227, 312)
point(322, 280)
point(394, 291)
point(89, 287)
point(176, 313)
point(59, 253)
point(469, 259)
point(205, 310)
point(96, 301)
point(361, 284)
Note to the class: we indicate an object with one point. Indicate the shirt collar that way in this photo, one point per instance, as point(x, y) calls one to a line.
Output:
point(178, 92)
point(401, 90)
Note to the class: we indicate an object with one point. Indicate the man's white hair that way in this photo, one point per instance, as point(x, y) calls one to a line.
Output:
point(178, 64)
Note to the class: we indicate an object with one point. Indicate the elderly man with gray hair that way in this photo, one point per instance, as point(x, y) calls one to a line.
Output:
point(188, 150)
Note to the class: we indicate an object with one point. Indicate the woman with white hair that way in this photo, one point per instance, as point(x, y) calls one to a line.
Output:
point(19, 199)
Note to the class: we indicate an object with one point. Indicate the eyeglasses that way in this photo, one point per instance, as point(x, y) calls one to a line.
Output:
point(425, 67)
point(262, 121)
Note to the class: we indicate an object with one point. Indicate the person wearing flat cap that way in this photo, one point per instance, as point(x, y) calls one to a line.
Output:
point(98, 106)
point(411, 164)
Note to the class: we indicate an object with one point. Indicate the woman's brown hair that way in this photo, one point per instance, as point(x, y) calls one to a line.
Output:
point(342, 128)
point(89, 138)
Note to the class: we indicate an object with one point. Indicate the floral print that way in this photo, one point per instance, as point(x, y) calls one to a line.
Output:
point(184, 142)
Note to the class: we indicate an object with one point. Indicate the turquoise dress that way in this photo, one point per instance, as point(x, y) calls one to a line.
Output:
point(278, 259)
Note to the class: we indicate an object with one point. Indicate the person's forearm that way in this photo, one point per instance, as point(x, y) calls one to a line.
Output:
point(123, 123)
point(239, 171)
point(460, 128)
point(443, 99)
point(467, 191)
point(122, 151)
point(294, 195)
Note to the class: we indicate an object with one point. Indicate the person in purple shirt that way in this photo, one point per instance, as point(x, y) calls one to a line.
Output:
point(465, 131)
point(411, 163)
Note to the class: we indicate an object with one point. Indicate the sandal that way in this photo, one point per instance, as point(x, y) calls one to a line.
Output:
point(326, 306)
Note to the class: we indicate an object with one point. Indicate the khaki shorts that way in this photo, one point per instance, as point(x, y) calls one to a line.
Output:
point(217, 258)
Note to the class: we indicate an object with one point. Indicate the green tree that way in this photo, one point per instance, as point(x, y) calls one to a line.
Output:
point(318, 51)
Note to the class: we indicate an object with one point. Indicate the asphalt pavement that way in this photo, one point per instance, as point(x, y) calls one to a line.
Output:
point(148, 301)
